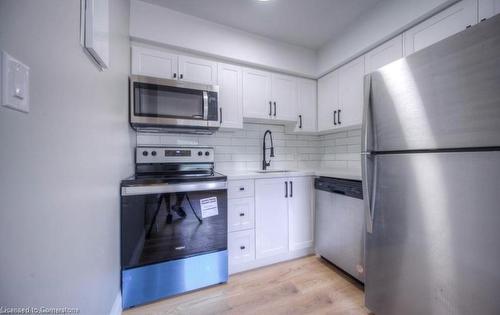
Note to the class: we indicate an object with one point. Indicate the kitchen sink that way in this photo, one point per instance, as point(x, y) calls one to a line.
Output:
point(272, 171)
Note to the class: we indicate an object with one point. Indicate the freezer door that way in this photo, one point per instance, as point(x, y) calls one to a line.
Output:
point(435, 242)
point(444, 96)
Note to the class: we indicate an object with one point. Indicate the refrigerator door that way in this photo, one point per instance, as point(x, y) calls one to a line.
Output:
point(445, 96)
point(436, 230)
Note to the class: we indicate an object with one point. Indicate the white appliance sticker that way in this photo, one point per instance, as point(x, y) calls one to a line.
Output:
point(209, 207)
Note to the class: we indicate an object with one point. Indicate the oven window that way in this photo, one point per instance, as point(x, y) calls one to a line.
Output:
point(162, 227)
point(164, 101)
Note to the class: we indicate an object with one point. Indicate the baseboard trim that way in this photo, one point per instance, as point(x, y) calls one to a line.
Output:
point(117, 305)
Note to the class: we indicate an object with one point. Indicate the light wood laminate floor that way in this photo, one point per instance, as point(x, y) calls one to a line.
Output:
point(304, 286)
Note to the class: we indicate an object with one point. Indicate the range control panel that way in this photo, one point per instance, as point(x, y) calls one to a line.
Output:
point(174, 154)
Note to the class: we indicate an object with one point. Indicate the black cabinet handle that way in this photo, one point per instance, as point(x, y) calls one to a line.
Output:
point(286, 189)
point(242, 214)
point(242, 247)
point(300, 121)
point(291, 189)
point(270, 108)
point(175, 75)
point(339, 118)
point(274, 109)
point(242, 188)
point(335, 117)
point(482, 20)
point(182, 76)
point(468, 26)
point(220, 111)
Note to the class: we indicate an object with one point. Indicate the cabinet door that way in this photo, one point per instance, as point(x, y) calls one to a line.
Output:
point(241, 247)
point(351, 93)
point(256, 94)
point(240, 214)
point(384, 54)
point(284, 97)
point(271, 217)
point(301, 213)
point(440, 26)
point(488, 8)
point(230, 96)
point(154, 63)
point(307, 105)
point(197, 70)
point(328, 100)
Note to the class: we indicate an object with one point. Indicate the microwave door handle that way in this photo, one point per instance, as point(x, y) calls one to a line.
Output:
point(205, 105)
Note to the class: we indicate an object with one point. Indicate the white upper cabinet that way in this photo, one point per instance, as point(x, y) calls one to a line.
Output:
point(284, 97)
point(444, 24)
point(351, 93)
point(306, 107)
point(161, 64)
point(154, 63)
point(384, 54)
point(488, 8)
point(257, 94)
point(301, 212)
point(271, 217)
point(197, 70)
point(328, 100)
point(230, 95)
point(269, 96)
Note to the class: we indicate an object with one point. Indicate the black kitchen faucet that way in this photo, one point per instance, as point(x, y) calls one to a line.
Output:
point(264, 163)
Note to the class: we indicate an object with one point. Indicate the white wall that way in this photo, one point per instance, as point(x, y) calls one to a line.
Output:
point(164, 26)
point(386, 20)
point(61, 164)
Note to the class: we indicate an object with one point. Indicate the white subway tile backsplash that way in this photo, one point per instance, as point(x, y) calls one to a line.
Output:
point(242, 149)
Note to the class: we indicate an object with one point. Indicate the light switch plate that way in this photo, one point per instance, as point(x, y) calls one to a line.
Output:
point(15, 84)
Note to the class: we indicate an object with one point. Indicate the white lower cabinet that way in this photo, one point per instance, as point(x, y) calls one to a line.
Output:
point(301, 213)
point(275, 224)
point(241, 246)
point(240, 214)
point(271, 217)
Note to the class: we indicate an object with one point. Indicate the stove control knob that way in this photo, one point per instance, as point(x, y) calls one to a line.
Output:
point(145, 153)
point(153, 153)
point(207, 153)
point(200, 153)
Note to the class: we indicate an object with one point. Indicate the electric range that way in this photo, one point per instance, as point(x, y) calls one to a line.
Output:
point(173, 224)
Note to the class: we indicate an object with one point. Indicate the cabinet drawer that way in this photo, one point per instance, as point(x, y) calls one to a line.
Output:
point(240, 188)
point(240, 214)
point(241, 247)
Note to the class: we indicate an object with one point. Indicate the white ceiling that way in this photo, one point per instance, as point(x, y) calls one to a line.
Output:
point(308, 23)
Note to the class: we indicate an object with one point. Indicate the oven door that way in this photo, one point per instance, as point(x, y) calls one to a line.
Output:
point(166, 222)
point(170, 103)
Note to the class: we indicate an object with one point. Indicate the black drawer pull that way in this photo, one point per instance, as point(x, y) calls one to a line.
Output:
point(339, 118)
point(242, 247)
point(242, 188)
point(242, 214)
point(335, 117)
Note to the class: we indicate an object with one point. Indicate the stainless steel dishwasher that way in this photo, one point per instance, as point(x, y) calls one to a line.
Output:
point(340, 224)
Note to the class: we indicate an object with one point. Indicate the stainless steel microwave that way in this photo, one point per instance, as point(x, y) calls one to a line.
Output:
point(162, 105)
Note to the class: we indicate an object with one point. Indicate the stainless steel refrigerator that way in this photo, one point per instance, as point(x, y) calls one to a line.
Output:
point(431, 177)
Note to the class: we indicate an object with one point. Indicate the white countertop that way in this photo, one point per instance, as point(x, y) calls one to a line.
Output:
point(354, 174)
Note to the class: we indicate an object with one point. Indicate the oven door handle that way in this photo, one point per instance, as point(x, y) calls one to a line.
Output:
point(172, 188)
point(205, 105)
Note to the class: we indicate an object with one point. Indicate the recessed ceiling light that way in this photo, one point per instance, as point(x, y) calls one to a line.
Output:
point(263, 0)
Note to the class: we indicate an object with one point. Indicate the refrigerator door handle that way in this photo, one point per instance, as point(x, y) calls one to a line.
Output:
point(369, 188)
point(368, 159)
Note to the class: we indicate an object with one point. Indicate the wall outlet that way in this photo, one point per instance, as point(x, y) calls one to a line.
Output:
point(15, 83)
